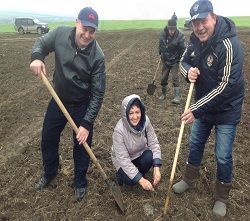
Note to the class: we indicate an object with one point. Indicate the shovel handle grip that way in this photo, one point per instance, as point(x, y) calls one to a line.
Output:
point(158, 65)
point(72, 123)
point(191, 87)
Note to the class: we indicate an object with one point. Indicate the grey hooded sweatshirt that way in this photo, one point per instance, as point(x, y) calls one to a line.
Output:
point(129, 143)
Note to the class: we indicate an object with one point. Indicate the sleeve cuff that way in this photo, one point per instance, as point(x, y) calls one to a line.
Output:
point(137, 177)
point(37, 56)
point(196, 114)
point(157, 162)
point(86, 125)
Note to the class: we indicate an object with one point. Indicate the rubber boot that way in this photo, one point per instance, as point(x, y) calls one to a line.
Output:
point(163, 93)
point(191, 173)
point(221, 198)
point(176, 99)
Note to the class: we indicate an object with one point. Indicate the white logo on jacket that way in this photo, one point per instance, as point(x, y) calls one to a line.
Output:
point(210, 60)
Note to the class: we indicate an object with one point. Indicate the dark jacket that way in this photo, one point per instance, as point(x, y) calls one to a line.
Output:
point(171, 48)
point(219, 89)
point(174, 17)
point(79, 75)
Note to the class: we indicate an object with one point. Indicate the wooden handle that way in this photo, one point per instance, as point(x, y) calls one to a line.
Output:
point(72, 123)
point(177, 151)
point(157, 69)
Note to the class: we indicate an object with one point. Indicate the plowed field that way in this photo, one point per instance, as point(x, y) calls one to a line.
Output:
point(131, 60)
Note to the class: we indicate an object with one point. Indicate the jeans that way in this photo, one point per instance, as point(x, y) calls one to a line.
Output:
point(53, 125)
point(143, 163)
point(224, 138)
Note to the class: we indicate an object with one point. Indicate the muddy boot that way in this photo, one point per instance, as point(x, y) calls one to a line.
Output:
point(191, 173)
point(163, 93)
point(221, 198)
point(43, 182)
point(176, 99)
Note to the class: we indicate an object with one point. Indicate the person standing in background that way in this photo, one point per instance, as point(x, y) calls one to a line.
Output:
point(174, 17)
point(171, 48)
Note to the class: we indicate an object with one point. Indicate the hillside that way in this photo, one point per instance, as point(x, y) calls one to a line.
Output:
point(7, 17)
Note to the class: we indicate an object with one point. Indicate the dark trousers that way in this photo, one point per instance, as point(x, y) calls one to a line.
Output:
point(53, 125)
point(143, 163)
point(165, 75)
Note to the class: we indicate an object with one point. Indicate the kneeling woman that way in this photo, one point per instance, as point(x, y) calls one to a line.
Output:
point(135, 146)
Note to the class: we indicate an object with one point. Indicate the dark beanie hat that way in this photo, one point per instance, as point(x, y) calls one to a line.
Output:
point(172, 24)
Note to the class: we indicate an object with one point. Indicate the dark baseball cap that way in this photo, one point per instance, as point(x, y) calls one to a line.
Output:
point(172, 24)
point(88, 17)
point(200, 9)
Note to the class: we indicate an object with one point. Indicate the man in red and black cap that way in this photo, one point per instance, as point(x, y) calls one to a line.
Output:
point(79, 81)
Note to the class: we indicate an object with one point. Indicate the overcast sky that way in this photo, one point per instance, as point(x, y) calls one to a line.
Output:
point(124, 9)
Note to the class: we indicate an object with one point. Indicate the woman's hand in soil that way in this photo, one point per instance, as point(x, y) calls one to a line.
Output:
point(145, 184)
point(156, 175)
point(37, 67)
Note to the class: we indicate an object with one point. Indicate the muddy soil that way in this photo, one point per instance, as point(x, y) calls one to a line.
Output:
point(131, 60)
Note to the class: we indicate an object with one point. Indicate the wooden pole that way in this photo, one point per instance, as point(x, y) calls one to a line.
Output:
point(166, 207)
